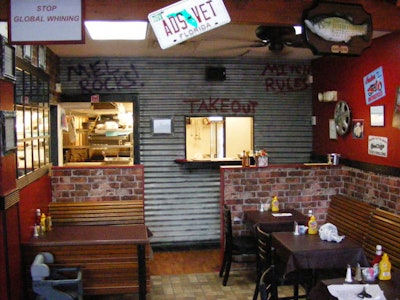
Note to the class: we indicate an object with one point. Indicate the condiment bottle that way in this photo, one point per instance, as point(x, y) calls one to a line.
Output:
point(244, 158)
point(309, 218)
point(37, 217)
point(43, 223)
point(378, 255)
point(247, 162)
point(312, 225)
point(384, 268)
point(275, 204)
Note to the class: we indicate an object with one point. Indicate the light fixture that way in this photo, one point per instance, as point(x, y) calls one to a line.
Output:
point(215, 119)
point(117, 30)
point(298, 29)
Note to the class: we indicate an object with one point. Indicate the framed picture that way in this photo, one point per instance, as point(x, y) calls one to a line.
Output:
point(27, 52)
point(332, 129)
point(377, 115)
point(42, 57)
point(8, 138)
point(7, 59)
point(162, 126)
point(358, 128)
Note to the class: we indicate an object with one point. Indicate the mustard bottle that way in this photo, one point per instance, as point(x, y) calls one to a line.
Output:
point(43, 223)
point(312, 225)
point(384, 268)
point(275, 204)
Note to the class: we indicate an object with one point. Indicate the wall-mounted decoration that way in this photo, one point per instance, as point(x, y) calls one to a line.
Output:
point(338, 28)
point(396, 114)
point(342, 117)
point(332, 129)
point(377, 145)
point(176, 23)
point(374, 86)
point(328, 96)
point(61, 21)
point(42, 57)
point(27, 52)
point(8, 138)
point(162, 126)
point(358, 128)
point(377, 115)
point(7, 59)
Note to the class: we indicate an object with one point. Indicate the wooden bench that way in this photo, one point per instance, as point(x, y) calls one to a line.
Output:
point(126, 212)
point(109, 269)
point(368, 225)
point(384, 229)
point(350, 216)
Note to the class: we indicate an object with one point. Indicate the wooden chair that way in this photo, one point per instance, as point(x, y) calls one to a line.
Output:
point(234, 246)
point(265, 258)
point(267, 284)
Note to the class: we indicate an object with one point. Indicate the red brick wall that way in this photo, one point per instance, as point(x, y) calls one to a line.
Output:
point(100, 183)
point(304, 188)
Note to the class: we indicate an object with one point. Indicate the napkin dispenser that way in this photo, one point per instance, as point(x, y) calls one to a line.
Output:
point(333, 158)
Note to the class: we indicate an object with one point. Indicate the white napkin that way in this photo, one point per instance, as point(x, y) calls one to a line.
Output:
point(328, 232)
point(350, 291)
point(282, 214)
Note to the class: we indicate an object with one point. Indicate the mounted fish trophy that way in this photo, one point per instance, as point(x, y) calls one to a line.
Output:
point(337, 28)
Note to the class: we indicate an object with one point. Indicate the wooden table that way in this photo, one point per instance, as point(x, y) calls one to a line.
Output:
point(270, 223)
point(112, 258)
point(391, 288)
point(309, 252)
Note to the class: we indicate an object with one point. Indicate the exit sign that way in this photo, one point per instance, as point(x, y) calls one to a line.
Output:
point(186, 19)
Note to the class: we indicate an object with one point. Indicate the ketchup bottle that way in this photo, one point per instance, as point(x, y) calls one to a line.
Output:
point(378, 255)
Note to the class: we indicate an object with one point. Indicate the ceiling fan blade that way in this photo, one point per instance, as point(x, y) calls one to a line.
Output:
point(297, 41)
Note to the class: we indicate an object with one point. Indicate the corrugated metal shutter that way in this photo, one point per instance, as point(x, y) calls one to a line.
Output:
point(183, 205)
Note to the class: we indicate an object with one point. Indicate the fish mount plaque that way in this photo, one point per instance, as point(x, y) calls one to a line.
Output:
point(338, 28)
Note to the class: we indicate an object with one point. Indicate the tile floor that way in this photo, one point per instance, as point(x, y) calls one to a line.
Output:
point(193, 275)
point(200, 286)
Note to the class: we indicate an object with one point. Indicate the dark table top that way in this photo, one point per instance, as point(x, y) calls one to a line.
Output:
point(270, 223)
point(310, 252)
point(92, 235)
point(391, 288)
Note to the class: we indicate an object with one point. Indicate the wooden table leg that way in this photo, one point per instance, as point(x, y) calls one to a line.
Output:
point(142, 271)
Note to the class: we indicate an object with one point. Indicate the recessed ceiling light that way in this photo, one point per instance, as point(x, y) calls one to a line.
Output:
point(117, 30)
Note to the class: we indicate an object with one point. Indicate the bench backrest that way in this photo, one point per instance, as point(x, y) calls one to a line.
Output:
point(384, 229)
point(350, 216)
point(124, 212)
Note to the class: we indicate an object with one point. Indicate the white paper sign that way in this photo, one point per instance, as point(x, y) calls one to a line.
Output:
point(378, 145)
point(46, 21)
point(186, 19)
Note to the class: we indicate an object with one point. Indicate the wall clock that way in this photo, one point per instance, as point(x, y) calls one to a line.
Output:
point(342, 117)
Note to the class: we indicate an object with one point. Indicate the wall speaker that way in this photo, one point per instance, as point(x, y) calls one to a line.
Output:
point(215, 73)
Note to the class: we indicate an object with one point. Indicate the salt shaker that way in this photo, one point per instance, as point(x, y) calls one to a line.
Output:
point(348, 278)
point(358, 273)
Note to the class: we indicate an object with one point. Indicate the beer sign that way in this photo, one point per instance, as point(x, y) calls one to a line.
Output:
point(186, 19)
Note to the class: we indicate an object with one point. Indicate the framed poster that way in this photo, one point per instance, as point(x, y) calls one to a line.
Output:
point(377, 115)
point(27, 52)
point(332, 129)
point(42, 57)
point(7, 59)
point(162, 126)
point(8, 138)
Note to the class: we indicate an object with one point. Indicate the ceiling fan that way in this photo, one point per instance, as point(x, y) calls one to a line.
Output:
point(277, 37)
